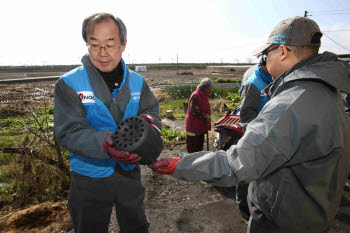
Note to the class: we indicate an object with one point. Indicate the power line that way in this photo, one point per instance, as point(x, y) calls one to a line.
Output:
point(329, 11)
point(306, 15)
point(337, 30)
point(335, 42)
point(348, 13)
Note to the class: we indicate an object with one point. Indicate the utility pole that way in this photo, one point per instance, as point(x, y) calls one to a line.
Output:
point(177, 62)
point(305, 13)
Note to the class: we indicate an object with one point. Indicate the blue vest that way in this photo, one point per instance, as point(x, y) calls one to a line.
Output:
point(100, 118)
point(260, 79)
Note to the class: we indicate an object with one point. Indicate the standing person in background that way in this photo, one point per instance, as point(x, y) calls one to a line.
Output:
point(295, 153)
point(252, 98)
point(245, 77)
point(248, 73)
point(198, 120)
point(90, 102)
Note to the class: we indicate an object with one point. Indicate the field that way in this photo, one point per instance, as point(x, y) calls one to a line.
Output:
point(171, 205)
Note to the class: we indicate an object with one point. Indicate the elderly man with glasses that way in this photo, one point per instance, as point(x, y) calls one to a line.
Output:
point(295, 153)
point(90, 102)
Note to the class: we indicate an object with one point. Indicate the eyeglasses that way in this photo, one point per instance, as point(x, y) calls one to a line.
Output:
point(95, 48)
point(264, 54)
point(267, 51)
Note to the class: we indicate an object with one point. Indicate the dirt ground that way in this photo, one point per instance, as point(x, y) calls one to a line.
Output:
point(171, 205)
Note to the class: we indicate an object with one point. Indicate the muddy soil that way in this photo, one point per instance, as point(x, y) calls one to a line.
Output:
point(171, 205)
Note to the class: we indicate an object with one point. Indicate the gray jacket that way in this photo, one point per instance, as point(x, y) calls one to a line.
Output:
point(73, 131)
point(250, 102)
point(295, 153)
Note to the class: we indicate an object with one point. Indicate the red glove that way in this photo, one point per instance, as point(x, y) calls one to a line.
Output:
point(232, 130)
point(165, 166)
point(150, 120)
point(121, 156)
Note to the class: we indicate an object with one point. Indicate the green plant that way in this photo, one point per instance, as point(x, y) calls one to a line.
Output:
point(219, 93)
point(176, 105)
point(180, 115)
point(181, 92)
point(235, 98)
point(228, 80)
point(5, 175)
point(7, 195)
point(231, 106)
point(47, 110)
point(234, 89)
point(7, 122)
point(30, 156)
point(172, 135)
point(184, 92)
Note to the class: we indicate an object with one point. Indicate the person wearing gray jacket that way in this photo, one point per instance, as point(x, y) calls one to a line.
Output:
point(89, 103)
point(295, 153)
point(252, 102)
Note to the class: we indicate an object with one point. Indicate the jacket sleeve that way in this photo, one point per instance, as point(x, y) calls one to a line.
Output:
point(258, 153)
point(195, 109)
point(250, 102)
point(149, 104)
point(73, 132)
point(212, 167)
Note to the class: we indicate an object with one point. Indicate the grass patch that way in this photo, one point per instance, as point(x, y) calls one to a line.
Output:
point(215, 117)
point(32, 168)
point(172, 135)
point(227, 80)
point(176, 105)
point(181, 92)
point(185, 92)
point(180, 115)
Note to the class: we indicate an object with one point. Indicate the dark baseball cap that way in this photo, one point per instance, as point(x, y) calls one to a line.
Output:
point(297, 31)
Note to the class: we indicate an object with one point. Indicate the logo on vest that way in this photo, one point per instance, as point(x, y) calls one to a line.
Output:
point(86, 96)
point(135, 95)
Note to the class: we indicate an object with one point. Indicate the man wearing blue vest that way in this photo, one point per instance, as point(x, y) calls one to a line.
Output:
point(90, 102)
point(252, 100)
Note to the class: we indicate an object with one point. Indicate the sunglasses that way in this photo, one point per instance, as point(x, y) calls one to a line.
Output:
point(266, 52)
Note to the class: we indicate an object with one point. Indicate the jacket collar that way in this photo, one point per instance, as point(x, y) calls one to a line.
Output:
point(324, 67)
point(263, 75)
point(99, 86)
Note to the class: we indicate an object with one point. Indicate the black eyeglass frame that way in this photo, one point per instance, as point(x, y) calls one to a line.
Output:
point(265, 53)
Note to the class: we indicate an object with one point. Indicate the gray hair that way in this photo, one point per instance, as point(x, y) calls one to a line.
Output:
point(205, 84)
point(94, 19)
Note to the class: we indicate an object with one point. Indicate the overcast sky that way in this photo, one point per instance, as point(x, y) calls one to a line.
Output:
point(43, 32)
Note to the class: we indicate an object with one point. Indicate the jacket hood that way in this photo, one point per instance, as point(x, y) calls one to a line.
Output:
point(324, 67)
